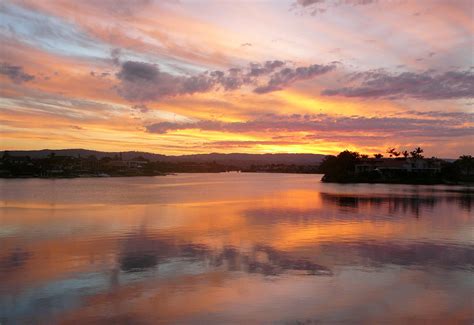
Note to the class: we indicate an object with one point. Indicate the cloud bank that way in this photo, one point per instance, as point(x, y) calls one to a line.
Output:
point(140, 81)
point(427, 124)
point(427, 85)
point(15, 73)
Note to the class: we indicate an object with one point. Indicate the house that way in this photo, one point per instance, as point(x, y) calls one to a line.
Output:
point(135, 163)
point(397, 165)
point(127, 163)
point(18, 160)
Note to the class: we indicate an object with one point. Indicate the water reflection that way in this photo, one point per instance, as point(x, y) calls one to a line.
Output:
point(246, 248)
point(13, 260)
point(404, 205)
point(420, 255)
point(142, 251)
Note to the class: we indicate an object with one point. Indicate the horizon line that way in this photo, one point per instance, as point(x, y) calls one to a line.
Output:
point(209, 153)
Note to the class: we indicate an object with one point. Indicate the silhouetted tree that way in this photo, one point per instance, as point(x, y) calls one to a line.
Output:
point(393, 152)
point(417, 153)
point(140, 158)
point(405, 153)
point(466, 158)
point(105, 159)
point(339, 168)
point(465, 164)
point(378, 155)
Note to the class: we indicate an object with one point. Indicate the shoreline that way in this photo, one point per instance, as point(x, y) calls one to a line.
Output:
point(402, 183)
point(451, 183)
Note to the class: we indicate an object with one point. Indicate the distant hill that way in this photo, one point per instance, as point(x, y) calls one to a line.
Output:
point(235, 159)
point(83, 153)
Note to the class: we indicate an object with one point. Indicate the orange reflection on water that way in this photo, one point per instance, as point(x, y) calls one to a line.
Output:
point(233, 247)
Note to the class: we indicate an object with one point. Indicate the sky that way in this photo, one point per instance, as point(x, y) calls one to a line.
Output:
point(182, 77)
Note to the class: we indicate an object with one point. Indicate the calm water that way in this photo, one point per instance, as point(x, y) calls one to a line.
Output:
point(234, 248)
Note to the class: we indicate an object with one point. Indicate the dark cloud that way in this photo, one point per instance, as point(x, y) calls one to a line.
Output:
point(143, 81)
point(428, 124)
point(426, 85)
point(99, 74)
point(306, 3)
point(138, 71)
point(309, 3)
point(459, 116)
point(246, 44)
point(287, 76)
point(231, 80)
point(140, 81)
point(15, 73)
point(320, 6)
point(257, 69)
point(245, 144)
point(142, 108)
point(115, 54)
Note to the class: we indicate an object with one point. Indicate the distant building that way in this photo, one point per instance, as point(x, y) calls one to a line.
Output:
point(18, 160)
point(116, 164)
point(126, 163)
point(89, 164)
point(135, 163)
point(391, 165)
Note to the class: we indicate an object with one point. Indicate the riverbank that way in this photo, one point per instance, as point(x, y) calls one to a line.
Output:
point(103, 175)
point(351, 167)
point(408, 180)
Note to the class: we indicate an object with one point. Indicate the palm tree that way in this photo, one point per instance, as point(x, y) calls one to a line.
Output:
point(6, 155)
point(417, 153)
point(393, 152)
point(466, 163)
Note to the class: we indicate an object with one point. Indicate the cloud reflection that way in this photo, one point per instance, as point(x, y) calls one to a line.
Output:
point(90, 248)
point(142, 252)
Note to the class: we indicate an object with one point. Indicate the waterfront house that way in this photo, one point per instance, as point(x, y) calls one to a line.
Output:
point(397, 165)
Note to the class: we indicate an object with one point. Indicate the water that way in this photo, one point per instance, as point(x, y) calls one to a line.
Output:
point(234, 248)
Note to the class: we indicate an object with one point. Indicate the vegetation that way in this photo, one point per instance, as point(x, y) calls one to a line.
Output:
point(402, 167)
point(347, 167)
point(282, 168)
point(91, 166)
point(340, 168)
point(58, 166)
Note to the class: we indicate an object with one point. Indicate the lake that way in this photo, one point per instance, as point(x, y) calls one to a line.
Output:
point(234, 248)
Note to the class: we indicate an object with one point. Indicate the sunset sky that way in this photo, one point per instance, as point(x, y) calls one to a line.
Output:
point(180, 77)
